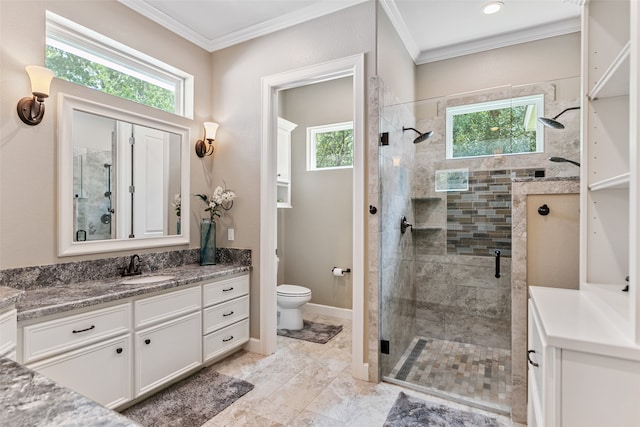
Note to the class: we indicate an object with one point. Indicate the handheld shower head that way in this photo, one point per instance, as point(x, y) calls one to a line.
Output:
point(553, 123)
point(562, 160)
point(421, 137)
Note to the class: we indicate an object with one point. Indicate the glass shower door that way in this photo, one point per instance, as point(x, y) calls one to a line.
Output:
point(445, 294)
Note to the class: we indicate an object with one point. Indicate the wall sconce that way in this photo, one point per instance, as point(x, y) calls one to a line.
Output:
point(31, 110)
point(206, 148)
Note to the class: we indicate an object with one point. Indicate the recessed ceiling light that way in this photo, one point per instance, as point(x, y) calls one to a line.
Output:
point(492, 7)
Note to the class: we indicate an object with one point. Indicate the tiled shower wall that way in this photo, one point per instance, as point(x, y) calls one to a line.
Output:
point(479, 220)
point(459, 299)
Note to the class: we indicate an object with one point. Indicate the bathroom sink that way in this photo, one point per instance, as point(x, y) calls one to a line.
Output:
point(147, 279)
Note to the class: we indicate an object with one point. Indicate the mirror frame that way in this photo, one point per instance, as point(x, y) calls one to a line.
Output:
point(66, 245)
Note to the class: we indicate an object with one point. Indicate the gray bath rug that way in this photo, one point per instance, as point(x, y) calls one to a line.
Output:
point(409, 411)
point(317, 332)
point(189, 402)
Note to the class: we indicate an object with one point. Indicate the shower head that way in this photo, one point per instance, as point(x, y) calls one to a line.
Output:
point(553, 123)
point(421, 137)
point(563, 160)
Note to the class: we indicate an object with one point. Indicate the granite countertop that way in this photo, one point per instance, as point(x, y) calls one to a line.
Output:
point(9, 296)
point(30, 399)
point(43, 301)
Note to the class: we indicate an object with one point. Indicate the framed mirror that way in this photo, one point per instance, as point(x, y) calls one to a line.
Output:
point(120, 176)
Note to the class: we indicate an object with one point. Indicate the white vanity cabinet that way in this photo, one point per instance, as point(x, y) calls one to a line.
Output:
point(582, 371)
point(168, 337)
point(120, 351)
point(8, 333)
point(225, 316)
point(88, 352)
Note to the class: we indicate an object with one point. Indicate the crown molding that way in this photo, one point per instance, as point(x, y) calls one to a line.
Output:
point(284, 21)
point(389, 6)
point(553, 29)
point(150, 12)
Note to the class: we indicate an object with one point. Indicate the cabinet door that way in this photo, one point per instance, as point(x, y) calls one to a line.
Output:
point(102, 371)
point(8, 332)
point(166, 351)
point(599, 391)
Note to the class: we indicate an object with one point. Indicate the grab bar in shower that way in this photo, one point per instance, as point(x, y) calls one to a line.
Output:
point(497, 253)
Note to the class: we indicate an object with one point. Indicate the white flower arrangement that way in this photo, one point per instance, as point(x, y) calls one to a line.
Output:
point(221, 199)
point(177, 204)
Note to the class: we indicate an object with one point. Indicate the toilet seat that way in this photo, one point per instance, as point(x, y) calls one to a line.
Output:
point(293, 291)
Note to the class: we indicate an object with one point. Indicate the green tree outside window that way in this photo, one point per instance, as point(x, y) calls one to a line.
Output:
point(75, 69)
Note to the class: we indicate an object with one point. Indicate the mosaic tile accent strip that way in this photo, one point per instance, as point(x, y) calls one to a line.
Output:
point(470, 371)
point(479, 220)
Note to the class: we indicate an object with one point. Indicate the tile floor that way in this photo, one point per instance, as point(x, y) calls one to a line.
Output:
point(479, 373)
point(308, 384)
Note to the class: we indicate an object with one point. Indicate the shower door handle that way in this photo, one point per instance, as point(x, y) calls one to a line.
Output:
point(497, 253)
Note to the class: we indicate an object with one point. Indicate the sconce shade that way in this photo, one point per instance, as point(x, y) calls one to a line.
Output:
point(40, 80)
point(31, 109)
point(210, 130)
point(206, 148)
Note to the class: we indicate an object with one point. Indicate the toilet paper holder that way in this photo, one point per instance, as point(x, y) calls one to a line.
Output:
point(340, 271)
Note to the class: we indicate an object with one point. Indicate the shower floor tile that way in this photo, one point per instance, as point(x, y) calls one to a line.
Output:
point(469, 371)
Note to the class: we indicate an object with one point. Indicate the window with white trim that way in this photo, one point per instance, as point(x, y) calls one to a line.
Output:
point(83, 56)
point(507, 126)
point(330, 146)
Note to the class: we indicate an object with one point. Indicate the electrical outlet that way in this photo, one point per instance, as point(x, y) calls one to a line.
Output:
point(231, 234)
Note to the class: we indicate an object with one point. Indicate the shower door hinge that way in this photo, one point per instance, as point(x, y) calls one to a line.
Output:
point(384, 346)
point(384, 138)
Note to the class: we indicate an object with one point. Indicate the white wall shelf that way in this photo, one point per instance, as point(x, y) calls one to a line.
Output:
point(615, 80)
point(620, 182)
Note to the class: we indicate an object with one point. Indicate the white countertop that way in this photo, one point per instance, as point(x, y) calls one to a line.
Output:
point(570, 320)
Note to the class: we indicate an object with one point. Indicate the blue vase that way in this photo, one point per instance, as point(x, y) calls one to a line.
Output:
point(207, 242)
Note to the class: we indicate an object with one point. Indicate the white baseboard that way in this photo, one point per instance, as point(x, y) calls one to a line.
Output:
point(254, 345)
point(326, 310)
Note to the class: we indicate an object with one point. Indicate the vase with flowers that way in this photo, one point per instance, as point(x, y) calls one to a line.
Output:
point(222, 199)
point(177, 205)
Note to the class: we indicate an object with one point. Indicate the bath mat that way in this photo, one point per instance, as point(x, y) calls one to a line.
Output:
point(317, 332)
point(189, 402)
point(409, 411)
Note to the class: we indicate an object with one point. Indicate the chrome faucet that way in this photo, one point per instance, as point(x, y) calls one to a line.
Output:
point(133, 269)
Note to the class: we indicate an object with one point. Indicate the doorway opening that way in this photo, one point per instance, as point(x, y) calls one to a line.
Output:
point(272, 86)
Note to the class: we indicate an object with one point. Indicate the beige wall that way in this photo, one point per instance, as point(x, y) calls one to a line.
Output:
point(395, 66)
point(553, 241)
point(316, 233)
point(28, 163)
point(236, 102)
point(554, 58)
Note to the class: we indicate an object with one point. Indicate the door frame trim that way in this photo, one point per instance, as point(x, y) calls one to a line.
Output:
point(349, 66)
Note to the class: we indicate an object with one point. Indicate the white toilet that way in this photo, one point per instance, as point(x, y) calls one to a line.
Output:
point(290, 299)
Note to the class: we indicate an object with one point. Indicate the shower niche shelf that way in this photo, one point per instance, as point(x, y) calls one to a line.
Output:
point(426, 229)
point(426, 199)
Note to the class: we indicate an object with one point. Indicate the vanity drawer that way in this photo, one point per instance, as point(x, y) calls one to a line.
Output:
point(224, 290)
point(225, 339)
point(224, 314)
point(55, 336)
point(163, 307)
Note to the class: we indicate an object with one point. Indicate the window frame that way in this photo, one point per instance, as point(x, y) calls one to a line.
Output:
point(64, 34)
point(312, 131)
point(451, 112)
